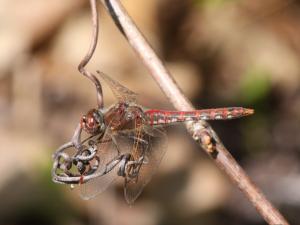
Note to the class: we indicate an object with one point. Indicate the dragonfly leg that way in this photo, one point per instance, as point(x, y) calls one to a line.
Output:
point(132, 167)
point(84, 159)
point(129, 168)
point(87, 154)
point(67, 177)
point(123, 165)
point(64, 161)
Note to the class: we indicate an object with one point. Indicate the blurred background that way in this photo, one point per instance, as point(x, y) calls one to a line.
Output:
point(221, 53)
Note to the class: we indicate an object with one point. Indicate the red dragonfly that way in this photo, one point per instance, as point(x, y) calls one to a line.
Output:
point(124, 140)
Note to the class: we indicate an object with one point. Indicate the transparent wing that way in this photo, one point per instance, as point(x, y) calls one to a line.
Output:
point(151, 144)
point(98, 185)
point(122, 93)
point(107, 151)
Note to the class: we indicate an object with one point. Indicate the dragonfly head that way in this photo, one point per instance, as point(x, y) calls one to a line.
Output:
point(93, 122)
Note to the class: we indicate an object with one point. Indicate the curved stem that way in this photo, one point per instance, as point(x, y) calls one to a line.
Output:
point(88, 56)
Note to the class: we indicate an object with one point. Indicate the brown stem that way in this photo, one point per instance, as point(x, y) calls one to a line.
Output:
point(201, 131)
point(88, 56)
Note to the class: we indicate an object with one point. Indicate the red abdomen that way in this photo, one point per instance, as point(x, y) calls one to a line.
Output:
point(156, 117)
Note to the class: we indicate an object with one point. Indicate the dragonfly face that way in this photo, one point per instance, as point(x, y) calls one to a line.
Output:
point(93, 122)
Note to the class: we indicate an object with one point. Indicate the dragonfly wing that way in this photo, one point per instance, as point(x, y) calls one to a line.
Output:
point(107, 152)
point(152, 144)
point(122, 93)
point(98, 185)
point(125, 139)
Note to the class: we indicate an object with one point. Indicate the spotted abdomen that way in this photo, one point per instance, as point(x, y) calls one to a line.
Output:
point(156, 117)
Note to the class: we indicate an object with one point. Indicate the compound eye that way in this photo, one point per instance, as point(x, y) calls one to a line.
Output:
point(91, 122)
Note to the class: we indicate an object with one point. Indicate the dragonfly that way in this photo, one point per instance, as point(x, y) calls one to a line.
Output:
point(124, 140)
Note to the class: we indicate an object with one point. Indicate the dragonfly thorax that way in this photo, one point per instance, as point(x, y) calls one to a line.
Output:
point(93, 122)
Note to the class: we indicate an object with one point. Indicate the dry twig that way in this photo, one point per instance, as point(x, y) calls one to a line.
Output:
point(201, 131)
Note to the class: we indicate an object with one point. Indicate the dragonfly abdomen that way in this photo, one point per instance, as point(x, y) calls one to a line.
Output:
point(156, 117)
